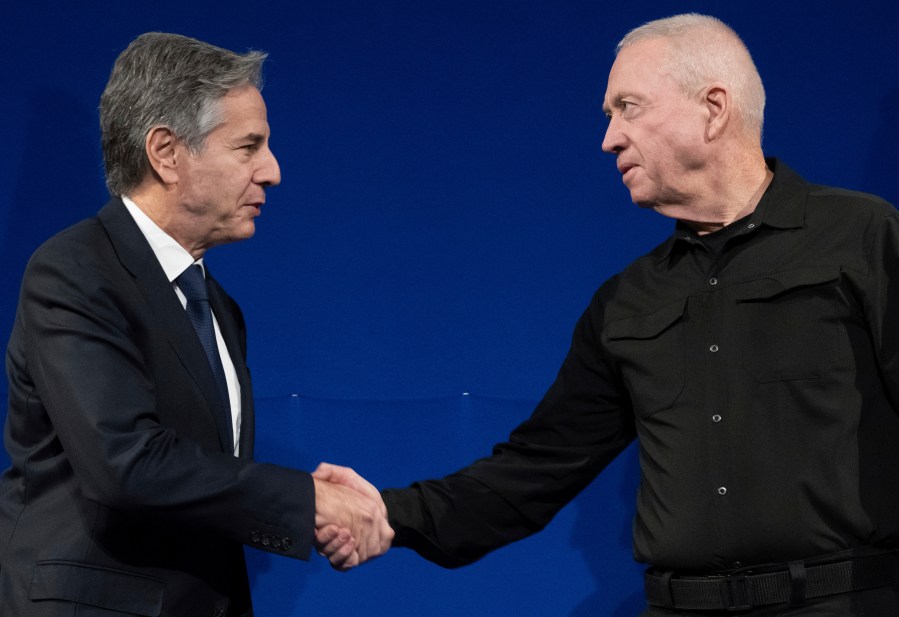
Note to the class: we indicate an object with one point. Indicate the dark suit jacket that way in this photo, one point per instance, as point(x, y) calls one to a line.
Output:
point(121, 495)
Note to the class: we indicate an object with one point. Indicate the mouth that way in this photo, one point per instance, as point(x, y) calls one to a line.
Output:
point(624, 169)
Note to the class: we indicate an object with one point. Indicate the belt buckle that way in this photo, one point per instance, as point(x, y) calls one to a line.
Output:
point(736, 592)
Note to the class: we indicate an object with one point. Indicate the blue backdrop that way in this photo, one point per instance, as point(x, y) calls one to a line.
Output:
point(444, 217)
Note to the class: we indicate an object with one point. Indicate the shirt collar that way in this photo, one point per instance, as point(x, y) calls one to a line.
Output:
point(782, 206)
point(173, 257)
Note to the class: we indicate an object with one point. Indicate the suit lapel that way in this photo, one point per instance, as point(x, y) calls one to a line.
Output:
point(234, 333)
point(138, 258)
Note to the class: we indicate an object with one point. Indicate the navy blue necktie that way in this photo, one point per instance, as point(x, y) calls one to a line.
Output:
point(192, 284)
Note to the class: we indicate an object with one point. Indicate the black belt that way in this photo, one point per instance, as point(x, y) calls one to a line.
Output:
point(794, 584)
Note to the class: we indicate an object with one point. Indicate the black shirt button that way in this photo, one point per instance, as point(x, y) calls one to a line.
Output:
point(716, 418)
point(713, 281)
point(713, 348)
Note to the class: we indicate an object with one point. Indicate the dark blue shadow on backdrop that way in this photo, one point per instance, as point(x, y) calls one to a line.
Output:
point(414, 439)
point(61, 142)
point(882, 176)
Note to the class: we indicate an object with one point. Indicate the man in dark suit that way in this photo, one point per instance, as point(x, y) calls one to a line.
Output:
point(130, 428)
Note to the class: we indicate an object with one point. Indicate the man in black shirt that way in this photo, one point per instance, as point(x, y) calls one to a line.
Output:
point(754, 355)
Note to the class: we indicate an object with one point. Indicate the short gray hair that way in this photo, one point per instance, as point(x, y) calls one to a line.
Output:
point(166, 80)
point(705, 49)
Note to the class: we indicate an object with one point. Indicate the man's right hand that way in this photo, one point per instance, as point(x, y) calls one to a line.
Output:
point(350, 517)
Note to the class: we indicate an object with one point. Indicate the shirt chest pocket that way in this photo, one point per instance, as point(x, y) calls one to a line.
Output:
point(789, 324)
point(649, 352)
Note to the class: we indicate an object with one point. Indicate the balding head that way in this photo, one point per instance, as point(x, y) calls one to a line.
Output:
point(704, 50)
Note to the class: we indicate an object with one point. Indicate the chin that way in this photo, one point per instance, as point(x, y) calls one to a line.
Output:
point(244, 233)
point(641, 201)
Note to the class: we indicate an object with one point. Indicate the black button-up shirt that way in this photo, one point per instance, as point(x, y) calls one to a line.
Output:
point(761, 379)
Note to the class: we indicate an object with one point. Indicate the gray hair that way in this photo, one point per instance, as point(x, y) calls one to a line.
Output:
point(166, 80)
point(705, 49)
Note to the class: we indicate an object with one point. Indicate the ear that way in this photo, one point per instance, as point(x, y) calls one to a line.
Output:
point(717, 101)
point(162, 153)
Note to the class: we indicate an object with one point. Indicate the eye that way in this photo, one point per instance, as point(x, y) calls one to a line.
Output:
point(249, 144)
point(622, 106)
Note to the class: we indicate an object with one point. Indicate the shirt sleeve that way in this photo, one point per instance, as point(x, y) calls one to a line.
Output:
point(882, 301)
point(583, 422)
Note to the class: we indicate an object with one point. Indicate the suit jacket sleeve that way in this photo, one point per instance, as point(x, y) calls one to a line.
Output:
point(126, 413)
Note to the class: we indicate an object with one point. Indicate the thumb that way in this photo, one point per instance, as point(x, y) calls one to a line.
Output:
point(323, 471)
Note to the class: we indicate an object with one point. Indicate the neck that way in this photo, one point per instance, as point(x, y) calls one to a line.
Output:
point(730, 197)
point(161, 209)
point(735, 213)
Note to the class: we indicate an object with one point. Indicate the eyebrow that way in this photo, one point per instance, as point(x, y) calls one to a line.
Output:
point(253, 137)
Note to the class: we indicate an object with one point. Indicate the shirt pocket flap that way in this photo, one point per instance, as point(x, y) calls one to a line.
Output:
point(649, 326)
point(107, 588)
point(781, 282)
point(649, 353)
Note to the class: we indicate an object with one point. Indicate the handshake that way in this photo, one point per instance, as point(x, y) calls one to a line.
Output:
point(350, 517)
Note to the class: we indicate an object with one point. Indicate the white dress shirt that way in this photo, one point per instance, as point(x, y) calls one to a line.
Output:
point(174, 260)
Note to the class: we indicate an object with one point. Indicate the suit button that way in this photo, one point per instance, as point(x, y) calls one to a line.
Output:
point(266, 539)
point(286, 543)
point(254, 537)
point(219, 612)
point(276, 542)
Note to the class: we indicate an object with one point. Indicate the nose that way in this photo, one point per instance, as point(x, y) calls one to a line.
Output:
point(269, 172)
point(614, 140)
